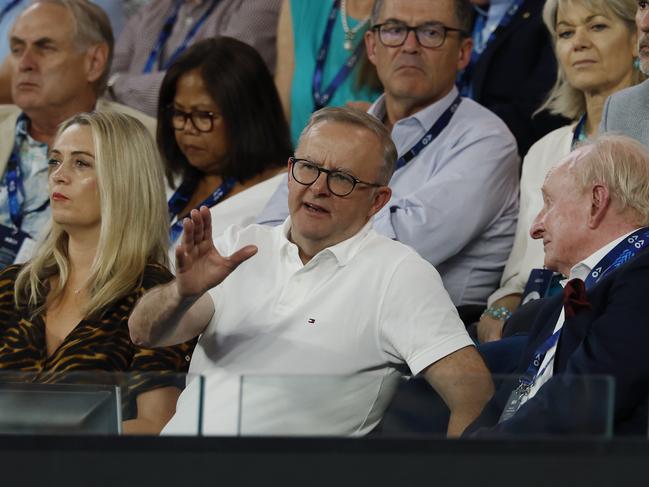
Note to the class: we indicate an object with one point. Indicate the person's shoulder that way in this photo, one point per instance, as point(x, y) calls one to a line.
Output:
point(236, 236)
point(629, 96)
point(8, 275)
point(481, 117)
point(380, 248)
point(556, 141)
point(9, 112)
point(154, 275)
point(147, 121)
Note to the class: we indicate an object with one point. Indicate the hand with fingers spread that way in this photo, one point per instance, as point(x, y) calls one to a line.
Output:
point(199, 265)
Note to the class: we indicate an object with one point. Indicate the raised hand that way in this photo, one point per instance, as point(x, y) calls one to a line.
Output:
point(199, 266)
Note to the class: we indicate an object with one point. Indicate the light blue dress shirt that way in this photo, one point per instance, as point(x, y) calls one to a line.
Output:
point(113, 8)
point(456, 203)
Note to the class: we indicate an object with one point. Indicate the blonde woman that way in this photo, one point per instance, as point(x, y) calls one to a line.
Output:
point(67, 309)
point(596, 46)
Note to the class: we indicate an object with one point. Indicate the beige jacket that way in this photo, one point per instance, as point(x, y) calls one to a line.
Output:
point(9, 114)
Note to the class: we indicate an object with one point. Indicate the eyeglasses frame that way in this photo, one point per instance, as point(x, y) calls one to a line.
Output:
point(356, 181)
point(377, 28)
point(189, 115)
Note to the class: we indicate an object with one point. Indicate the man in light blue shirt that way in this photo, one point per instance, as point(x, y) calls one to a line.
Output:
point(456, 200)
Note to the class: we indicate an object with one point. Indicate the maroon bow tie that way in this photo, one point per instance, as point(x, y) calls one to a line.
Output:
point(574, 297)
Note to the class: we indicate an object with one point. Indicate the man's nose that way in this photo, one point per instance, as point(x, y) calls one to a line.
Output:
point(537, 229)
point(26, 61)
point(411, 43)
point(320, 186)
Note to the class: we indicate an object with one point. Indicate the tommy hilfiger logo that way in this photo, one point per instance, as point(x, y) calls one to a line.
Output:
point(311, 321)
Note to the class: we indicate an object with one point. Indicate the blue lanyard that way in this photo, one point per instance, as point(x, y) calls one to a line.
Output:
point(579, 134)
point(321, 99)
point(621, 254)
point(8, 8)
point(182, 196)
point(165, 33)
point(14, 181)
point(465, 77)
point(431, 135)
point(533, 369)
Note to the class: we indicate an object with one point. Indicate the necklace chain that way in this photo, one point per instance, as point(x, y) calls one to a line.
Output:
point(350, 34)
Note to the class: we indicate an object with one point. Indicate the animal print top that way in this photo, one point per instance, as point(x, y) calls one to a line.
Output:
point(99, 346)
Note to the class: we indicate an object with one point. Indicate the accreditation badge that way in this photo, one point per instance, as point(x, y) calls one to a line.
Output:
point(15, 246)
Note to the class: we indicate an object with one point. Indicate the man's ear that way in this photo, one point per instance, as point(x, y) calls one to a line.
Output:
point(95, 61)
point(466, 46)
point(600, 202)
point(370, 45)
point(381, 197)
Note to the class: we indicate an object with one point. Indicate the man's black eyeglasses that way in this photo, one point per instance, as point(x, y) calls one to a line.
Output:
point(431, 34)
point(339, 183)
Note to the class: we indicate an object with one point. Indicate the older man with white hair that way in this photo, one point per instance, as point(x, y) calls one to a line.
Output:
point(595, 229)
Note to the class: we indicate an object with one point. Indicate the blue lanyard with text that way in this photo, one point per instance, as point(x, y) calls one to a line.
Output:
point(579, 135)
point(8, 8)
point(465, 77)
point(181, 197)
point(165, 33)
point(621, 254)
point(321, 99)
point(431, 135)
point(14, 181)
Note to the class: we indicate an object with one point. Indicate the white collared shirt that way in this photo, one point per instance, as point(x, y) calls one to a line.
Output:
point(581, 270)
point(361, 310)
point(455, 203)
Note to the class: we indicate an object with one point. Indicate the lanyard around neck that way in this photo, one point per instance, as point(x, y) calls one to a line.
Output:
point(182, 196)
point(441, 123)
point(322, 98)
point(165, 33)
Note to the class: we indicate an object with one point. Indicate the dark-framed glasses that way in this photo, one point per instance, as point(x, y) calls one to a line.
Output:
point(430, 34)
point(203, 121)
point(339, 183)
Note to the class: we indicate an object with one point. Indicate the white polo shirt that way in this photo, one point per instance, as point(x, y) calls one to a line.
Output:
point(351, 318)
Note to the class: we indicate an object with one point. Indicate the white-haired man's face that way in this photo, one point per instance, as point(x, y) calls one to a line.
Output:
point(562, 223)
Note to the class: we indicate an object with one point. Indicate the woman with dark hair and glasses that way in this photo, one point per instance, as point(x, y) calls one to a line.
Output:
point(222, 133)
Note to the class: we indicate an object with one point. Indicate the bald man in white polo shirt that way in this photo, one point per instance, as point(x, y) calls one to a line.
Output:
point(322, 295)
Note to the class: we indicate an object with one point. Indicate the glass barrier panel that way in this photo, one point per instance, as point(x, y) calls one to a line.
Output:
point(312, 405)
point(393, 406)
point(92, 402)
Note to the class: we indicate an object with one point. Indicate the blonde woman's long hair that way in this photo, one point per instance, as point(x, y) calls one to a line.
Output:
point(564, 99)
point(134, 221)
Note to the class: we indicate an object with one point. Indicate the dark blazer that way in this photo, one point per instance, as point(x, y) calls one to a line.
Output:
point(515, 73)
point(610, 338)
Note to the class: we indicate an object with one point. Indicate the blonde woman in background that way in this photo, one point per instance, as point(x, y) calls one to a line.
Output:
point(596, 46)
point(67, 309)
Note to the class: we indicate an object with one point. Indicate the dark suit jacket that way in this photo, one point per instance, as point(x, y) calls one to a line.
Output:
point(611, 338)
point(515, 73)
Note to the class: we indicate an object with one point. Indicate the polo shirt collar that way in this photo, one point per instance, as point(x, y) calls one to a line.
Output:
point(343, 251)
point(425, 118)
